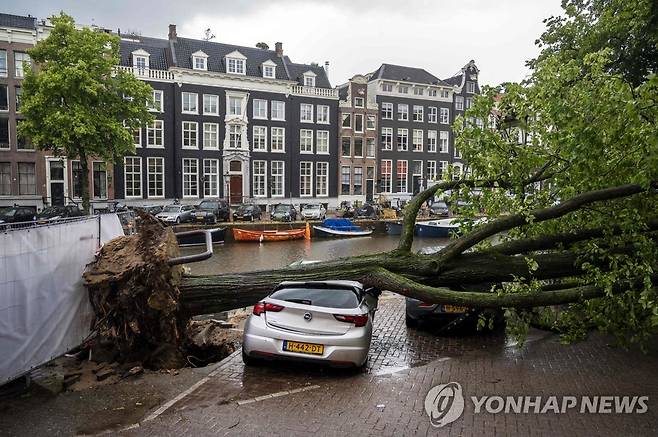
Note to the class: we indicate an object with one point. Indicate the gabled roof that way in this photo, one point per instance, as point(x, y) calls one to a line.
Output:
point(158, 49)
point(458, 78)
point(405, 74)
point(18, 21)
point(297, 71)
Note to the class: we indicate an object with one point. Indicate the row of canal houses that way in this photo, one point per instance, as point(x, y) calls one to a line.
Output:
point(246, 124)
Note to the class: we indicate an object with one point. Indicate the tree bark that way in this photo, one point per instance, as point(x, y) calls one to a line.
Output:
point(84, 184)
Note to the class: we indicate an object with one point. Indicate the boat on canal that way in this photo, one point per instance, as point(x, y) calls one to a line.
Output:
point(394, 228)
point(437, 228)
point(340, 227)
point(186, 238)
point(267, 235)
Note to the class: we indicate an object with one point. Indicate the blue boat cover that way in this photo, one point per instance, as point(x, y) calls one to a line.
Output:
point(340, 224)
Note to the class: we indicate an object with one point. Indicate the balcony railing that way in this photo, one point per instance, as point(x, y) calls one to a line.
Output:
point(148, 73)
point(313, 91)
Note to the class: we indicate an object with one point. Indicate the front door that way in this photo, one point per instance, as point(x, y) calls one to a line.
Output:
point(56, 182)
point(370, 183)
point(235, 189)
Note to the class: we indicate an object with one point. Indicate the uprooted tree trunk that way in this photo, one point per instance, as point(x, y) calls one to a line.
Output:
point(142, 304)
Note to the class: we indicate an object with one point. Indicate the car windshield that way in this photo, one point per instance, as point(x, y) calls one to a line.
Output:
point(282, 208)
point(9, 212)
point(208, 205)
point(52, 211)
point(322, 297)
point(171, 208)
point(439, 205)
point(244, 208)
point(311, 207)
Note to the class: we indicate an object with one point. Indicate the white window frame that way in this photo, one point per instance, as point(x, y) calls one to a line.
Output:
point(387, 87)
point(371, 122)
point(187, 193)
point(206, 145)
point(386, 178)
point(320, 139)
point(309, 80)
point(305, 141)
point(402, 146)
point(459, 103)
point(442, 168)
point(277, 129)
point(236, 66)
point(418, 91)
point(230, 109)
point(309, 175)
point(208, 176)
point(322, 179)
point(403, 89)
point(234, 133)
point(417, 140)
point(388, 132)
point(444, 116)
point(213, 100)
point(204, 63)
point(150, 174)
point(387, 111)
point(406, 176)
point(432, 114)
point(138, 179)
point(403, 115)
point(186, 102)
point(431, 171)
point(271, 68)
point(261, 129)
point(281, 175)
point(359, 102)
point(257, 177)
point(470, 87)
point(432, 141)
point(185, 128)
point(151, 131)
point(444, 141)
point(418, 113)
point(306, 113)
point(356, 124)
point(371, 151)
point(160, 100)
point(259, 109)
point(322, 114)
point(137, 144)
point(277, 104)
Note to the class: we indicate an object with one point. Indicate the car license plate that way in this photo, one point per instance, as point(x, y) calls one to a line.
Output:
point(303, 348)
point(454, 309)
point(199, 217)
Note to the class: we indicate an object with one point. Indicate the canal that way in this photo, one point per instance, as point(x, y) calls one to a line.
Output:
point(237, 257)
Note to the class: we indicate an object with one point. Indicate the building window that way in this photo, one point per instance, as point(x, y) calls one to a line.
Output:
point(23, 142)
point(402, 176)
point(387, 111)
point(155, 134)
point(403, 140)
point(278, 187)
point(386, 169)
point(211, 178)
point(443, 168)
point(418, 113)
point(18, 91)
point(259, 139)
point(403, 89)
point(387, 87)
point(358, 181)
point(4, 133)
point(235, 66)
point(3, 63)
point(4, 98)
point(387, 138)
point(190, 135)
point(445, 94)
point(235, 136)
point(210, 104)
point(269, 71)
point(358, 102)
point(469, 102)
point(431, 171)
point(306, 112)
point(345, 176)
point(432, 92)
point(190, 101)
point(100, 180)
point(470, 87)
point(260, 109)
point(322, 144)
point(358, 147)
point(158, 101)
point(445, 116)
point(457, 171)
point(5, 178)
point(22, 62)
point(347, 120)
point(260, 178)
point(27, 182)
point(199, 63)
point(416, 176)
point(278, 110)
point(190, 177)
point(305, 141)
point(358, 122)
point(137, 136)
point(443, 142)
point(132, 174)
point(278, 139)
point(140, 63)
point(418, 91)
point(235, 106)
point(370, 147)
point(459, 103)
point(346, 147)
point(431, 141)
point(155, 177)
point(309, 80)
point(458, 153)
point(370, 122)
point(417, 140)
point(77, 179)
point(322, 179)
point(211, 136)
point(432, 114)
point(305, 179)
point(323, 114)
point(403, 112)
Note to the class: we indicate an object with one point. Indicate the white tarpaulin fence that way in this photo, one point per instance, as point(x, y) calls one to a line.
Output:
point(44, 307)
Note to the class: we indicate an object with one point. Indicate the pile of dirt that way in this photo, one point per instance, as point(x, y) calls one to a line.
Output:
point(212, 340)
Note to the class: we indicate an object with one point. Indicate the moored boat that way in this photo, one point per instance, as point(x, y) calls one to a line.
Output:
point(341, 227)
point(199, 239)
point(394, 228)
point(437, 228)
point(267, 235)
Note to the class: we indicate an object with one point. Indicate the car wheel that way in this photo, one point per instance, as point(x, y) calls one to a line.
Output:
point(249, 361)
point(410, 322)
point(178, 220)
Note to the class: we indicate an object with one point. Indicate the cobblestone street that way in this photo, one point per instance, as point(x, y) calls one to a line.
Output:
point(387, 398)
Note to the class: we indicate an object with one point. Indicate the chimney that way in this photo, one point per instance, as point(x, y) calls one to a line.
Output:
point(326, 68)
point(278, 48)
point(172, 32)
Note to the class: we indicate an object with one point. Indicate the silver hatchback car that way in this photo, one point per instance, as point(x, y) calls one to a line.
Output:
point(328, 321)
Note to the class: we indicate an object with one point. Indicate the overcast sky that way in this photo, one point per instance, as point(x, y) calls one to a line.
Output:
point(355, 36)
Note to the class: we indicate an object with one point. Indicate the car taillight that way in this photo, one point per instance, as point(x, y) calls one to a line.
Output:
point(425, 304)
point(358, 320)
point(262, 307)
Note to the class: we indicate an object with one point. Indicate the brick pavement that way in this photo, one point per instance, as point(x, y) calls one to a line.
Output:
point(387, 397)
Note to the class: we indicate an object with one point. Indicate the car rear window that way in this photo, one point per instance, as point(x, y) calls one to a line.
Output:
point(322, 297)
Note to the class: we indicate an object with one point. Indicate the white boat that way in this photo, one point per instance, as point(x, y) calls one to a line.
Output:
point(437, 228)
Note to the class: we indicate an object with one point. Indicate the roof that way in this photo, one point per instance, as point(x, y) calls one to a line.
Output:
point(405, 74)
point(18, 21)
point(158, 49)
point(297, 74)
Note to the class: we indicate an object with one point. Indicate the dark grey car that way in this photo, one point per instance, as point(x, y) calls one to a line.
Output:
point(284, 212)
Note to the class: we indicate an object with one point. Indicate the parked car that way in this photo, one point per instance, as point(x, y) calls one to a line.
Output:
point(367, 210)
point(314, 211)
point(17, 214)
point(439, 209)
point(210, 211)
point(327, 321)
point(176, 214)
point(154, 210)
point(55, 212)
point(247, 212)
point(284, 212)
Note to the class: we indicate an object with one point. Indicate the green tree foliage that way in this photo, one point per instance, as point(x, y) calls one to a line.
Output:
point(76, 104)
point(587, 118)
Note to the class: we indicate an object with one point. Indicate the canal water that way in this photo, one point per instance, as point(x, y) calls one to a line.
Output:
point(248, 257)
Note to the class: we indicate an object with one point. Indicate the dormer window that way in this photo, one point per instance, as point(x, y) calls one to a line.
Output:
point(269, 69)
point(309, 79)
point(140, 61)
point(199, 61)
point(236, 63)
